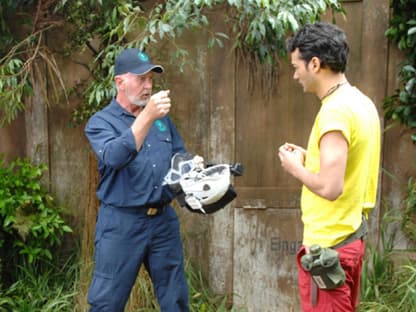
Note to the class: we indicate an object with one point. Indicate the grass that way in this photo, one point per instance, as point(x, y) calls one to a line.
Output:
point(397, 295)
point(387, 284)
point(51, 287)
point(43, 287)
point(201, 297)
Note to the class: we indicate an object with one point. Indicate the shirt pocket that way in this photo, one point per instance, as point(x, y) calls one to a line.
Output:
point(164, 145)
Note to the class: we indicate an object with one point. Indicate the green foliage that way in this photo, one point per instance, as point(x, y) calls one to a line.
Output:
point(387, 285)
point(14, 85)
point(378, 264)
point(202, 299)
point(7, 8)
point(259, 28)
point(44, 287)
point(110, 23)
point(106, 26)
point(25, 60)
point(31, 225)
point(409, 213)
point(401, 106)
point(398, 291)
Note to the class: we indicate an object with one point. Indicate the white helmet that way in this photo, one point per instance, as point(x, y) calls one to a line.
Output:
point(200, 190)
point(206, 187)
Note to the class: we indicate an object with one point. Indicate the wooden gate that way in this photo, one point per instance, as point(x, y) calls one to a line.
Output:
point(271, 109)
point(251, 109)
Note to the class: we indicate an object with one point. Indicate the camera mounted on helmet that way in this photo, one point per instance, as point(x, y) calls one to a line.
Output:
point(201, 189)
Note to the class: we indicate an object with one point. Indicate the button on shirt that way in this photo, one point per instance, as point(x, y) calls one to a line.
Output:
point(129, 177)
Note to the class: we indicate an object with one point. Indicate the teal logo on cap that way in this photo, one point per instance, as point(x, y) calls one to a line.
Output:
point(143, 57)
point(160, 125)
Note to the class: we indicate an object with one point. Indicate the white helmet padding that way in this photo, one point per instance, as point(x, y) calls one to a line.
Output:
point(207, 185)
point(180, 165)
point(201, 190)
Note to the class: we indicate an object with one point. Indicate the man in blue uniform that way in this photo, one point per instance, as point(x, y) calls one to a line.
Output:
point(134, 141)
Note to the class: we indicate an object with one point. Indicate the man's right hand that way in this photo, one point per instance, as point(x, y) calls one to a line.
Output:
point(159, 104)
point(157, 107)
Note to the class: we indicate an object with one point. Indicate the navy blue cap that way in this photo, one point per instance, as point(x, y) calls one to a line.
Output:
point(134, 61)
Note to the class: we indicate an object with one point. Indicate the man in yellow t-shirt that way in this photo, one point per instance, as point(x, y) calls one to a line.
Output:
point(339, 170)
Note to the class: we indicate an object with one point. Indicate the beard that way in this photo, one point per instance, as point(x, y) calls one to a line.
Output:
point(136, 101)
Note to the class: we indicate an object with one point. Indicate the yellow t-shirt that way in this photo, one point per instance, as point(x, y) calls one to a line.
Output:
point(349, 111)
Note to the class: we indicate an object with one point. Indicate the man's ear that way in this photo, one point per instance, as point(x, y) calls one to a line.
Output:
point(119, 81)
point(315, 64)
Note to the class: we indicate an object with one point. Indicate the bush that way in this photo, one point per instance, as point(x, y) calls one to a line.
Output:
point(31, 224)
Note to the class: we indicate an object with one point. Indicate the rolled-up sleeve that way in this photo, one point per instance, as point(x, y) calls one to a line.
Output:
point(113, 149)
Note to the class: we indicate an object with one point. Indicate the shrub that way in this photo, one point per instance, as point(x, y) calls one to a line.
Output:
point(31, 224)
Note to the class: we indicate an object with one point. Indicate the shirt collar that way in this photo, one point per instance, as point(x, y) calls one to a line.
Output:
point(117, 109)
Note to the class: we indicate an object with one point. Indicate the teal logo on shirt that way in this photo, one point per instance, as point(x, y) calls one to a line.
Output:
point(160, 125)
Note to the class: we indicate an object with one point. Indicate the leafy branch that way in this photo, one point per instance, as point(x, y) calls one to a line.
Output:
point(20, 62)
point(258, 27)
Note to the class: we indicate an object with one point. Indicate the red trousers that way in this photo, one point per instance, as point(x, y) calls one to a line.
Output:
point(344, 298)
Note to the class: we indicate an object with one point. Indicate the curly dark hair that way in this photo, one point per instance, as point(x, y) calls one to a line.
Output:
point(322, 40)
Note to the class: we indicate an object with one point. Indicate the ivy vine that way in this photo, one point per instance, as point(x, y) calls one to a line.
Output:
point(401, 106)
point(106, 26)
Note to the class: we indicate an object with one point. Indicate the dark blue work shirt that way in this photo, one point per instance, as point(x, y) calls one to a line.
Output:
point(129, 177)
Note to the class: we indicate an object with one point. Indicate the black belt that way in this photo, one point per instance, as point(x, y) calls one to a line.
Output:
point(150, 209)
point(361, 232)
point(153, 209)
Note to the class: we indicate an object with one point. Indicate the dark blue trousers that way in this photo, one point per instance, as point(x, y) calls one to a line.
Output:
point(124, 239)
